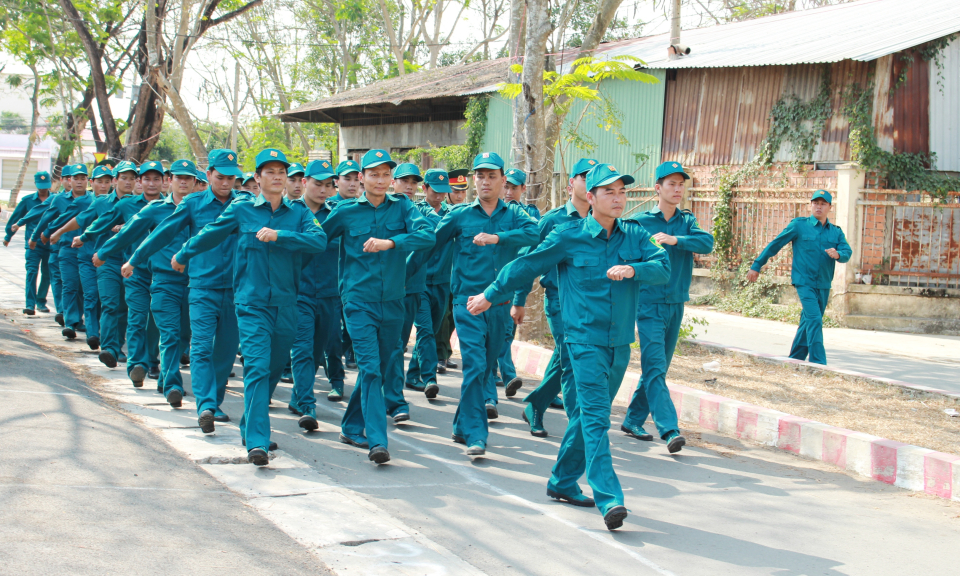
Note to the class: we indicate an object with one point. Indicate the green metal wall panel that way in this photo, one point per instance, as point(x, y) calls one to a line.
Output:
point(499, 127)
point(641, 108)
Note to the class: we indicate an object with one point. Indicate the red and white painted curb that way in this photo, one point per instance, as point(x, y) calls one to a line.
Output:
point(902, 465)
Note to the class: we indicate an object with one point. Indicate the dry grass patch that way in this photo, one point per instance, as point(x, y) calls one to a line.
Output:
point(886, 411)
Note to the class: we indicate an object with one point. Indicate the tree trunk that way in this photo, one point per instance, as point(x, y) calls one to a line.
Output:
point(97, 77)
point(598, 28)
point(392, 37)
point(515, 43)
point(180, 113)
point(146, 121)
point(34, 103)
point(538, 28)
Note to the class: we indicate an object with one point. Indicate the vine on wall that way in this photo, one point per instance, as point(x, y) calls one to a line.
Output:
point(799, 123)
point(908, 171)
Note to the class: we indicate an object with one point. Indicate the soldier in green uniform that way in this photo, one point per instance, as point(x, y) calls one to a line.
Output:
point(36, 259)
point(660, 308)
point(817, 246)
point(577, 207)
point(272, 233)
point(602, 261)
point(424, 365)
point(378, 230)
point(487, 234)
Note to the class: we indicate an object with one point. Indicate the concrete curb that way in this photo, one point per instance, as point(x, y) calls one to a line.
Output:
point(800, 364)
point(903, 465)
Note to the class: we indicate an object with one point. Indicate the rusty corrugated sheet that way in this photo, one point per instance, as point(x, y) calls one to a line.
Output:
point(761, 87)
point(835, 140)
point(680, 115)
point(911, 100)
point(718, 116)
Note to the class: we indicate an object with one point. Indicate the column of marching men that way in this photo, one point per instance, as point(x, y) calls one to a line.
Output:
point(297, 267)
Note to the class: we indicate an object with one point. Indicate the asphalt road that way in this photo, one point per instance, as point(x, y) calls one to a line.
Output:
point(86, 490)
point(719, 507)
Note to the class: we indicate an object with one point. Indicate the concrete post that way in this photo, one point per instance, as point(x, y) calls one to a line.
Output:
point(341, 144)
point(850, 180)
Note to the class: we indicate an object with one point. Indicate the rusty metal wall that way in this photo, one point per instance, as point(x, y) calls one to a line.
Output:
point(720, 115)
point(909, 239)
point(911, 104)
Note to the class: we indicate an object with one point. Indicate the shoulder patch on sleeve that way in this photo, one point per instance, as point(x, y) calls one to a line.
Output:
point(317, 222)
point(655, 243)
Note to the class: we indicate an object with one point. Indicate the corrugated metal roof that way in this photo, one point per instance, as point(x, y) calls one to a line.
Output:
point(863, 30)
point(450, 81)
point(945, 110)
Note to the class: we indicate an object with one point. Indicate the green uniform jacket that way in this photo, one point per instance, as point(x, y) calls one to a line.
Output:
point(691, 239)
point(376, 276)
point(475, 267)
point(596, 310)
point(265, 273)
point(811, 265)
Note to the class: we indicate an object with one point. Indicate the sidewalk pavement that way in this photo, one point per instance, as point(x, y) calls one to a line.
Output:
point(924, 359)
point(88, 491)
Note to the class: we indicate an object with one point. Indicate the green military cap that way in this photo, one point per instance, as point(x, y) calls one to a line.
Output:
point(224, 161)
point(294, 169)
point(42, 180)
point(583, 166)
point(603, 174)
point(516, 177)
point(80, 169)
point(154, 166)
point(407, 169)
point(319, 170)
point(375, 158)
point(183, 167)
point(488, 160)
point(102, 171)
point(201, 176)
point(247, 176)
point(346, 167)
point(271, 155)
point(668, 168)
point(438, 180)
point(66, 171)
point(822, 195)
point(124, 166)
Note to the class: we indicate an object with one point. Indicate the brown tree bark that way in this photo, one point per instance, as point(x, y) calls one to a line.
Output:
point(97, 78)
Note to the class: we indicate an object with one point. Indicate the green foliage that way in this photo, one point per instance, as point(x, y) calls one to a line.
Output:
point(584, 85)
point(931, 51)
point(752, 299)
point(476, 124)
point(799, 123)
point(171, 145)
point(908, 171)
point(449, 157)
point(688, 329)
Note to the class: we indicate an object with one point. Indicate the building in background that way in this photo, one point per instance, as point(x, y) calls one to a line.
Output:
point(712, 107)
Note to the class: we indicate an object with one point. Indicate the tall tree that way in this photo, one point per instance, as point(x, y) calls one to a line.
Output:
point(32, 136)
